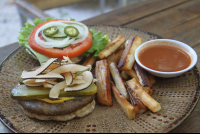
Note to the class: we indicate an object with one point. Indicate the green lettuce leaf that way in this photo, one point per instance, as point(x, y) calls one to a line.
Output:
point(24, 35)
point(98, 43)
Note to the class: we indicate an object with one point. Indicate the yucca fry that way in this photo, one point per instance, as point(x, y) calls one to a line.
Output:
point(124, 104)
point(132, 74)
point(112, 47)
point(143, 79)
point(90, 60)
point(102, 75)
point(115, 57)
point(135, 101)
point(118, 80)
point(147, 100)
point(124, 75)
point(151, 78)
point(128, 56)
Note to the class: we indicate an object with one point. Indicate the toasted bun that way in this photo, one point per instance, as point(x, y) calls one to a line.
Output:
point(78, 107)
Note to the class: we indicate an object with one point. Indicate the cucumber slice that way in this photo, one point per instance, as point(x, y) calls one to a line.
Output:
point(61, 47)
point(22, 92)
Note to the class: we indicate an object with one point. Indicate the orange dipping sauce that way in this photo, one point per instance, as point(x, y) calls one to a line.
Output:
point(164, 58)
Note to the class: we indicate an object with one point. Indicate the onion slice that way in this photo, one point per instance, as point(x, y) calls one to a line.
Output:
point(51, 43)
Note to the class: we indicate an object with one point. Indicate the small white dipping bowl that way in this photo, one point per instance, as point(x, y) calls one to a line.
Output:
point(169, 42)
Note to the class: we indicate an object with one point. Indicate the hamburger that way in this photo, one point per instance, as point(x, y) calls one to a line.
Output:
point(59, 89)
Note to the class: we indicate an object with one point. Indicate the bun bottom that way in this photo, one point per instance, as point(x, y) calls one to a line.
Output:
point(79, 113)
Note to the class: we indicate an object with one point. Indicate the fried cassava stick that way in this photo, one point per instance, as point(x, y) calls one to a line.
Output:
point(112, 47)
point(128, 55)
point(147, 100)
point(102, 74)
point(143, 79)
point(135, 101)
point(118, 80)
point(90, 60)
point(124, 104)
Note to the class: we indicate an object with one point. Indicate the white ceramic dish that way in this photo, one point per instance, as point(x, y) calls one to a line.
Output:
point(169, 42)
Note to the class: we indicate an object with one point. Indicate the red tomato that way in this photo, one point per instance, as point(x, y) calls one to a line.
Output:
point(71, 51)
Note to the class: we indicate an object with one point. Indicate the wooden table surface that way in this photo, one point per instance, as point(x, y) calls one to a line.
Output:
point(172, 19)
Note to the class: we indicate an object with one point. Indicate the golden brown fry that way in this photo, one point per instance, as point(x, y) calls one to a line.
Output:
point(124, 75)
point(135, 101)
point(143, 79)
point(147, 100)
point(151, 78)
point(128, 56)
point(132, 74)
point(118, 80)
point(115, 57)
point(112, 47)
point(90, 60)
point(102, 74)
point(124, 104)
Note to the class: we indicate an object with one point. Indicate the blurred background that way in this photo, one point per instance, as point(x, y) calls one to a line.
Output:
point(10, 19)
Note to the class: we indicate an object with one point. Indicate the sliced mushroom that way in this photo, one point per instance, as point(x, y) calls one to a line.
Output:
point(29, 81)
point(39, 80)
point(52, 82)
point(45, 76)
point(69, 68)
point(79, 77)
point(87, 77)
point(55, 91)
point(38, 70)
point(68, 77)
point(34, 84)
point(66, 60)
point(47, 85)
point(51, 67)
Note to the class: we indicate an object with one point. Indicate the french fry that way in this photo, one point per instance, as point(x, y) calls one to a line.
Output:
point(112, 47)
point(151, 78)
point(135, 101)
point(132, 74)
point(124, 104)
point(124, 75)
point(102, 74)
point(115, 57)
point(128, 57)
point(90, 60)
point(118, 80)
point(143, 79)
point(147, 100)
point(151, 91)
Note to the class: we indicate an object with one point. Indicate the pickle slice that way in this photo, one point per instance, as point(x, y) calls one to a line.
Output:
point(22, 92)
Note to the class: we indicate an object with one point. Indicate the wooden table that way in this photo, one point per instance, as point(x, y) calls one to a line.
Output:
point(173, 19)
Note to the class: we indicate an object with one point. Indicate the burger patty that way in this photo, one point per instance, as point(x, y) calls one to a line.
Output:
point(67, 107)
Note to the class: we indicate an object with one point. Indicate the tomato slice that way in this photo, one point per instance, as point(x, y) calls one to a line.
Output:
point(72, 51)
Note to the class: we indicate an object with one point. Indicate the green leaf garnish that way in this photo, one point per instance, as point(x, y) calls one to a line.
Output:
point(24, 35)
point(98, 43)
